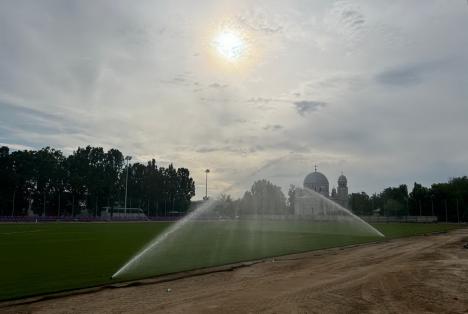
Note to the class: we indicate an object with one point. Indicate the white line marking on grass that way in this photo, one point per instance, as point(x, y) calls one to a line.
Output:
point(16, 232)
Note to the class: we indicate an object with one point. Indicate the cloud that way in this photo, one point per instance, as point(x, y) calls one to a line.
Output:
point(131, 81)
point(263, 100)
point(16, 146)
point(17, 118)
point(258, 19)
point(401, 76)
point(413, 73)
point(353, 18)
point(346, 20)
point(230, 149)
point(274, 127)
point(217, 85)
point(306, 106)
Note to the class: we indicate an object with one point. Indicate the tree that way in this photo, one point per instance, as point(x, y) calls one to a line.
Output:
point(50, 184)
point(394, 199)
point(113, 165)
point(23, 170)
point(7, 181)
point(224, 206)
point(360, 203)
point(291, 198)
point(185, 188)
point(264, 198)
point(418, 197)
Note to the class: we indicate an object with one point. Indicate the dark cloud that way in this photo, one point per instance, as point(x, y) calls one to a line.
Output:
point(352, 18)
point(349, 18)
point(23, 126)
point(306, 106)
point(402, 76)
point(8, 110)
point(413, 74)
point(230, 149)
point(260, 100)
point(273, 127)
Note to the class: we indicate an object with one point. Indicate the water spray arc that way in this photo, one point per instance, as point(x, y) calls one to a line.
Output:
point(203, 238)
point(151, 245)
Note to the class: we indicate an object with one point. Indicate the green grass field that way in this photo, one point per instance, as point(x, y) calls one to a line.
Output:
point(44, 258)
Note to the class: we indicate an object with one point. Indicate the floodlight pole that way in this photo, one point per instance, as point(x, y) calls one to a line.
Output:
point(206, 183)
point(127, 158)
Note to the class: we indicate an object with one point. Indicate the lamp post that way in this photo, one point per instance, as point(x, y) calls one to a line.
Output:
point(127, 158)
point(206, 184)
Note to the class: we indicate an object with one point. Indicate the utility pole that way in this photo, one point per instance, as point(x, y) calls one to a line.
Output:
point(458, 213)
point(420, 209)
point(206, 184)
point(127, 158)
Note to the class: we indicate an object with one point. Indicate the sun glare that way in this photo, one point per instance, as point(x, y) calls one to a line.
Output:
point(230, 45)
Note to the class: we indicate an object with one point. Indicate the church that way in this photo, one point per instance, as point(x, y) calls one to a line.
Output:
point(305, 205)
point(318, 182)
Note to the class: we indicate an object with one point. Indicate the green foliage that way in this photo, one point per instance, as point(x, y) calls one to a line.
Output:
point(360, 203)
point(393, 207)
point(447, 201)
point(291, 198)
point(47, 183)
point(263, 198)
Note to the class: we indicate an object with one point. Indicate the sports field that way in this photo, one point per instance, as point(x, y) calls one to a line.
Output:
point(43, 258)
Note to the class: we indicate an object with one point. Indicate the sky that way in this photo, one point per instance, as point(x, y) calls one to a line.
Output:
point(377, 90)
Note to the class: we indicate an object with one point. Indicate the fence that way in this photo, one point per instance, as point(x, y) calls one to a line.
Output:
point(30, 219)
point(385, 219)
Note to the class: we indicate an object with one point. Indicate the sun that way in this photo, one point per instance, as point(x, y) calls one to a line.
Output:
point(230, 45)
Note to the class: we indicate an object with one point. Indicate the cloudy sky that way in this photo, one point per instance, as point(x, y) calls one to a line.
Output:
point(376, 89)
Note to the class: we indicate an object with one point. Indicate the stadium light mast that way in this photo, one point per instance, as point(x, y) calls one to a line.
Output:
point(206, 183)
point(127, 158)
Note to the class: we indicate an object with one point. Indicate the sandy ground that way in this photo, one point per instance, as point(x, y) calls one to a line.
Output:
point(425, 274)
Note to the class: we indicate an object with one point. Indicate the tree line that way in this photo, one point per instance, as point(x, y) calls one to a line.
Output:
point(263, 198)
point(46, 182)
point(448, 201)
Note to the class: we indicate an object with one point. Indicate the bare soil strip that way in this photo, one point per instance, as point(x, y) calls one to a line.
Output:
point(426, 274)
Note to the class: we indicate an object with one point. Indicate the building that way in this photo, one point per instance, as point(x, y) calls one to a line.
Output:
point(305, 205)
point(341, 194)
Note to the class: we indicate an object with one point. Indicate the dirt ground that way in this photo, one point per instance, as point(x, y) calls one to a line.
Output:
point(424, 274)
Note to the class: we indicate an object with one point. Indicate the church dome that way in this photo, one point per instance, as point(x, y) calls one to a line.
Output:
point(317, 181)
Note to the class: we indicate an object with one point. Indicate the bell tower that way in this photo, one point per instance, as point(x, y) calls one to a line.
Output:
point(342, 191)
